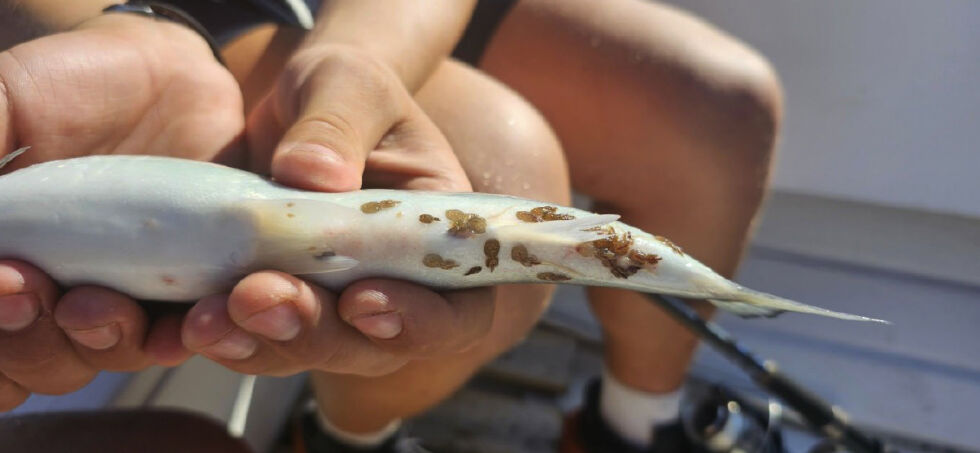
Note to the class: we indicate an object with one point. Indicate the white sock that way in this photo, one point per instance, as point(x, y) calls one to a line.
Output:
point(366, 440)
point(634, 413)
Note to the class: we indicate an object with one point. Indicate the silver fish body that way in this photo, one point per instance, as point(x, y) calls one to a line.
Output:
point(169, 229)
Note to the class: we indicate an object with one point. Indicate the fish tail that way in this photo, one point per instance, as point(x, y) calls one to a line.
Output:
point(748, 303)
point(10, 157)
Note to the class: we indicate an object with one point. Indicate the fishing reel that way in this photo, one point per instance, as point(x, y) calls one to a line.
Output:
point(721, 422)
point(731, 425)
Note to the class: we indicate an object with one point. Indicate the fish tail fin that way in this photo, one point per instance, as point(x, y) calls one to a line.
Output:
point(10, 157)
point(748, 303)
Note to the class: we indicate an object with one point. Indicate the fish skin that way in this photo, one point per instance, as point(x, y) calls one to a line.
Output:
point(160, 228)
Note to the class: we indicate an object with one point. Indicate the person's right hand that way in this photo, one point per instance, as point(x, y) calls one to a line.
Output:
point(117, 84)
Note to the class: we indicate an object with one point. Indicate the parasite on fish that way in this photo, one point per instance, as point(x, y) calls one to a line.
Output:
point(212, 225)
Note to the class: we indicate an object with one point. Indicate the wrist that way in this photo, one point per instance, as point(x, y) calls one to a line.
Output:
point(333, 60)
point(145, 31)
point(348, 58)
point(167, 13)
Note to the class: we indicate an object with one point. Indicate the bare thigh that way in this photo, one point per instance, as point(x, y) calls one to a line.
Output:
point(658, 112)
point(665, 120)
point(505, 147)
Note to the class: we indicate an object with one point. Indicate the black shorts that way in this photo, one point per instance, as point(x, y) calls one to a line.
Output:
point(228, 19)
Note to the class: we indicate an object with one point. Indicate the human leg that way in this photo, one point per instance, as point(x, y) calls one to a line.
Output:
point(505, 147)
point(664, 120)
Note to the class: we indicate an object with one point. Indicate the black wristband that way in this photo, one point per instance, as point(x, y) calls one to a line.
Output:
point(158, 10)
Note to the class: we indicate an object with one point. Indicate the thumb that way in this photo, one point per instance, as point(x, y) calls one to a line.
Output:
point(342, 110)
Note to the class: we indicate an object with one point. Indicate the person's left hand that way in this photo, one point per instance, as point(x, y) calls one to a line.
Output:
point(336, 120)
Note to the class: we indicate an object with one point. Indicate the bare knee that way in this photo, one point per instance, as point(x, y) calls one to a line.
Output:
point(741, 103)
point(501, 140)
point(728, 93)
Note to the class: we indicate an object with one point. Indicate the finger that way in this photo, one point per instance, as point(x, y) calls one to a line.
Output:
point(408, 318)
point(11, 394)
point(35, 354)
point(107, 328)
point(209, 331)
point(339, 113)
point(416, 156)
point(163, 343)
point(298, 322)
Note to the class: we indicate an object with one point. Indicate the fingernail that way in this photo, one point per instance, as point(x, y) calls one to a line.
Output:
point(383, 325)
point(280, 323)
point(99, 338)
point(312, 151)
point(236, 345)
point(18, 311)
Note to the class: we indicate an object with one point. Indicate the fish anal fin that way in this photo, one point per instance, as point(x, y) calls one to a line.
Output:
point(754, 303)
point(745, 310)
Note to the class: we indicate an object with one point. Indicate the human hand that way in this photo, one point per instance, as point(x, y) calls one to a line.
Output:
point(117, 84)
point(337, 115)
point(338, 120)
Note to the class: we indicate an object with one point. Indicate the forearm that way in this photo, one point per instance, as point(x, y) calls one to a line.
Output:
point(409, 36)
point(23, 20)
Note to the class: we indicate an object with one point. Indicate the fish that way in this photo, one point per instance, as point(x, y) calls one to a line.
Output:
point(169, 229)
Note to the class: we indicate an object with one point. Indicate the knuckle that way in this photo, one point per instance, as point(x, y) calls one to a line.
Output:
point(331, 130)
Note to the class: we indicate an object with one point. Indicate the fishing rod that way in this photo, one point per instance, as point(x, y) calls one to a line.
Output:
point(818, 413)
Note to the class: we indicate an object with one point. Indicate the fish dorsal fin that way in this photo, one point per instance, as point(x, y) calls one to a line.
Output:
point(294, 234)
point(581, 229)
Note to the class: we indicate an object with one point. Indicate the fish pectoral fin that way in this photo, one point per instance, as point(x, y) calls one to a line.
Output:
point(307, 263)
point(574, 230)
point(10, 157)
point(749, 303)
point(293, 238)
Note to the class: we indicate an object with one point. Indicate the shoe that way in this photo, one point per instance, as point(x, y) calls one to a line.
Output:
point(309, 438)
point(586, 432)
